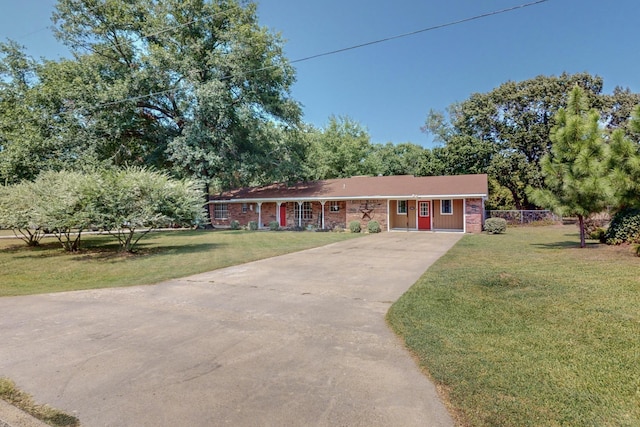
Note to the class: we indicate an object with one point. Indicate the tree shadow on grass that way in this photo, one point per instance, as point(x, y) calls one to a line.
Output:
point(109, 251)
point(142, 250)
point(568, 244)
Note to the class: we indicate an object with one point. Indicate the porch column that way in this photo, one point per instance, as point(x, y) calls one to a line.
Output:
point(259, 204)
point(417, 209)
point(464, 215)
point(278, 213)
point(300, 214)
point(388, 215)
point(322, 202)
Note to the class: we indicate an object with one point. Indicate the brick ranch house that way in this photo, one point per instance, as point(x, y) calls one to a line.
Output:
point(401, 202)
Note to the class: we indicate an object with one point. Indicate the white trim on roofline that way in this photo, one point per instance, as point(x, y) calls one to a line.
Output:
point(326, 198)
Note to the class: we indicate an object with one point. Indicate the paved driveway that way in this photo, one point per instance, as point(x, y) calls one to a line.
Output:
point(294, 340)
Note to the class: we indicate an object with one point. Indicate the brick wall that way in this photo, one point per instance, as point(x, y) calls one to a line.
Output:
point(377, 210)
point(351, 210)
point(336, 218)
point(473, 215)
point(217, 222)
point(235, 211)
point(269, 213)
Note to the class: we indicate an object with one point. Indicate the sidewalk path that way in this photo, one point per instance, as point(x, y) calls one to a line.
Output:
point(296, 340)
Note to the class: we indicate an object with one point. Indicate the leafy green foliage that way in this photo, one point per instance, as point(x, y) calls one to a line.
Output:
point(597, 234)
point(135, 199)
point(18, 212)
point(624, 164)
point(575, 170)
point(274, 226)
point(624, 227)
point(354, 226)
point(495, 225)
point(253, 225)
point(395, 159)
point(121, 202)
point(373, 227)
point(506, 131)
point(137, 94)
point(339, 150)
point(35, 132)
point(65, 205)
point(235, 225)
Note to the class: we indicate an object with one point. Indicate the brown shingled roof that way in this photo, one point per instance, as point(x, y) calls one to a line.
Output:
point(366, 187)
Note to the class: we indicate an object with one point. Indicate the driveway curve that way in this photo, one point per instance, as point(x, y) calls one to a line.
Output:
point(294, 340)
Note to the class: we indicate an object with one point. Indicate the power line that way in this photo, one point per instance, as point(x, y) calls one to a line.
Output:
point(423, 30)
point(332, 52)
point(358, 46)
point(49, 27)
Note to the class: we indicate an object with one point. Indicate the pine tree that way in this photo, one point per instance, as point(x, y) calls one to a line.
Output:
point(576, 178)
point(625, 163)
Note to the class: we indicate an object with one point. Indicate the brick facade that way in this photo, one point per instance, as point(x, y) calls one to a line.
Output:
point(474, 215)
point(365, 211)
point(343, 213)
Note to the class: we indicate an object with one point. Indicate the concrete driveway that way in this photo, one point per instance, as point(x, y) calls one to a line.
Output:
point(294, 340)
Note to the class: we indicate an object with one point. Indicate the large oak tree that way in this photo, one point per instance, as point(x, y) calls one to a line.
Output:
point(194, 85)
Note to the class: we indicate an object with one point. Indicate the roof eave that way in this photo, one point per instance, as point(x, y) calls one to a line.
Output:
point(342, 198)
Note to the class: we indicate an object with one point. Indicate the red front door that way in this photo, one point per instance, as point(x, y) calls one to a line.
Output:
point(424, 215)
point(283, 215)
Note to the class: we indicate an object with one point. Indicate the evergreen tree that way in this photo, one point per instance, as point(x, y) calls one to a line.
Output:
point(625, 164)
point(576, 179)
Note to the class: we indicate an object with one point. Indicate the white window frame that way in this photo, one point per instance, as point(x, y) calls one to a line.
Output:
point(245, 207)
point(307, 211)
point(442, 212)
point(334, 207)
point(398, 211)
point(221, 211)
point(427, 204)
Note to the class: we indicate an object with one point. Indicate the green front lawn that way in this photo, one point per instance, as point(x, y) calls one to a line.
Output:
point(526, 329)
point(162, 256)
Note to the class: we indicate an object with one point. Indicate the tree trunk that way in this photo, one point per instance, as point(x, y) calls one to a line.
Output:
point(581, 225)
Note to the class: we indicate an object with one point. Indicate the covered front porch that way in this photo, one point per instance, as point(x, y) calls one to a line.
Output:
point(426, 215)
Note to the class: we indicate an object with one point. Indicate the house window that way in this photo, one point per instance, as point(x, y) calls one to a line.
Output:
point(306, 210)
point(334, 207)
point(220, 211)
point(446, 207)
point(424, 209)
point(245, 208)
point(402, 207)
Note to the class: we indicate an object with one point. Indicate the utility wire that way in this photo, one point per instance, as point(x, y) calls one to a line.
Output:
point(332, 52)
point(412, 33)
point(358, 46)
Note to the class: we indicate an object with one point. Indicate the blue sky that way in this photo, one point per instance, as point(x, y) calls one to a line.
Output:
point(390, 87)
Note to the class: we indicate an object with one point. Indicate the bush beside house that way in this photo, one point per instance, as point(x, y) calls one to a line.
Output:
point(495, 225)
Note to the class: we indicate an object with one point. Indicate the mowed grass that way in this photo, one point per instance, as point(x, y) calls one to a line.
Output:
point(526, 329)
point(19, 399)
point(161, 256)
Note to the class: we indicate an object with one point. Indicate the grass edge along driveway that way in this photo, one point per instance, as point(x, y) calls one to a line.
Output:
point(162, 256)
point(526, 329)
